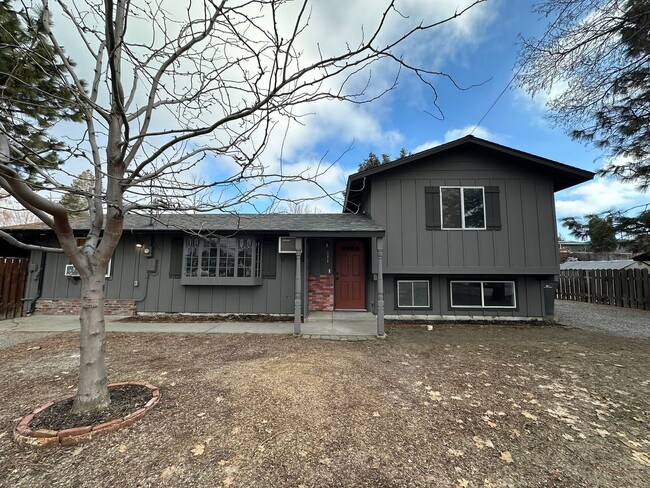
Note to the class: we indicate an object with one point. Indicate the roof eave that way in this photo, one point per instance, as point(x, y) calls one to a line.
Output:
point(571, 175)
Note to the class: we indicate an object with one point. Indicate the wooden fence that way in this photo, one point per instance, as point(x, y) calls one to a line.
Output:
point(13, 277)
point(629, 288)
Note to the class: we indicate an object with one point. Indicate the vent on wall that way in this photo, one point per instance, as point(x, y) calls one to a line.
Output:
point(287, 245)
point(71, 271)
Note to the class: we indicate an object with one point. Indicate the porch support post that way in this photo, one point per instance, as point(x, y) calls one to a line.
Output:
point(298, 289)
point(380, 287)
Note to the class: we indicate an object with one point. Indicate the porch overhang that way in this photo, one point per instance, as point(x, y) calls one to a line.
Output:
point(342, 234)
point(377, 247)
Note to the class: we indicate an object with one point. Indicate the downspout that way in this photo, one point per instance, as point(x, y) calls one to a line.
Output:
point(39, 288)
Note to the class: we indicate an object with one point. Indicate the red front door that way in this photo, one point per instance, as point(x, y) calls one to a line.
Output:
point(350, 282)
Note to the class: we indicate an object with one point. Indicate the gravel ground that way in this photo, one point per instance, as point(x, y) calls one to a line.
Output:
point(624, 322)
point(9, 338)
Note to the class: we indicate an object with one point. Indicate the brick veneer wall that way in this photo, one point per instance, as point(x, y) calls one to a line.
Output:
point(321, 293)
point(71, 307)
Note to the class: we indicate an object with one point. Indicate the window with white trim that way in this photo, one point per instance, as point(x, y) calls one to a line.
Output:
point(483, 294)
point(462, 207)
point(224, 259)
point(413, 294)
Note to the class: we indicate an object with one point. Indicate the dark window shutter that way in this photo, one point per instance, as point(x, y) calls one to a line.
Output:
point(492, 208)
point(269, 258)
point(176, 258)
point(432, 207)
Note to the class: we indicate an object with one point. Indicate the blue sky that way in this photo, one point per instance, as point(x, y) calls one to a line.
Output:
point(485, 53)
point(478, 48)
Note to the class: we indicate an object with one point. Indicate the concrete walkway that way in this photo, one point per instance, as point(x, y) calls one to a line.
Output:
point(340, 326)
point(326, 326)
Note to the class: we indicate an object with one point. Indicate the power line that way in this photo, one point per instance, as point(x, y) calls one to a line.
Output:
point(548, 30)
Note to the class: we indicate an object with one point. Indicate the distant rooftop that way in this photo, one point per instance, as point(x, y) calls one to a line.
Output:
point(617, 264)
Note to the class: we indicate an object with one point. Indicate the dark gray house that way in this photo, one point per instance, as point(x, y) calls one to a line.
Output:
point(464, 230)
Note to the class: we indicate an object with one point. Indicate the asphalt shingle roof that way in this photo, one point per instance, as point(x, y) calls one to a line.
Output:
point(243, 222)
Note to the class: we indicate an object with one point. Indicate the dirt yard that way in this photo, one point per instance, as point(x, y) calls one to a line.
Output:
point(464, 406)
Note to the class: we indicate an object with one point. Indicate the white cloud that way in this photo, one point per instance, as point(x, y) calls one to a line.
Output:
point(333, 26)
point(453, 134)
point(482, 132)
point(325, 194)
point(598, 195)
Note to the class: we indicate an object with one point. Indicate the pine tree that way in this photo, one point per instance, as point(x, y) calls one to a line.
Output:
point(77, 203)
point(372, 161)
point(600, 231)
point(33, 94)
point(596, 56)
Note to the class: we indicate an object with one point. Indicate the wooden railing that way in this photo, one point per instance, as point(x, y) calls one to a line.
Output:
point(629, 288)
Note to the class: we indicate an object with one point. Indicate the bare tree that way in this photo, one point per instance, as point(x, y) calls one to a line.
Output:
point(175, 88)
point(297, 207)
point(593, 62)
point(12, 213)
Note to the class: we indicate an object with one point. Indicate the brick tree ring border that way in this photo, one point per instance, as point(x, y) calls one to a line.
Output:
point(25, 436)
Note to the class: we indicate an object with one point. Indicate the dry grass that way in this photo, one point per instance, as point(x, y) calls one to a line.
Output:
point(458, 406)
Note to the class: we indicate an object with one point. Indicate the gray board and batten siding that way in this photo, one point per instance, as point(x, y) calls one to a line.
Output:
point(519, 243)
point(158, 277)
point(524, 244)
point(159, 288)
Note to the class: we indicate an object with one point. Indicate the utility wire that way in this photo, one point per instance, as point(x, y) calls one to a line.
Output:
point(548, 30)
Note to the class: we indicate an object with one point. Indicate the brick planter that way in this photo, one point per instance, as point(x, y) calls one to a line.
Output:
point(25, 436)
point(70, 306)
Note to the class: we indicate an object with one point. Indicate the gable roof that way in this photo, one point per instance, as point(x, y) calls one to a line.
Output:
point(563, 175)
point(262, 223)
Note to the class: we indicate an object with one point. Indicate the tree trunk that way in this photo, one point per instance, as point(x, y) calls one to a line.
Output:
point(92, 393)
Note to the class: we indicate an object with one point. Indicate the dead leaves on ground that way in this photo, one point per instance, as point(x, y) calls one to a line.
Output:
point(199, 449)
point(641, 457)
point(506, 456)
point(529, 415)
point(480, 443)
point(546, 402)
point(168, 473)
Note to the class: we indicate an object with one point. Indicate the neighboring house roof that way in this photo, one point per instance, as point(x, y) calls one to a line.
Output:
point(574, 243)
point(644, 256)
point(265, 223)
point(618, 264)
point(563, 175)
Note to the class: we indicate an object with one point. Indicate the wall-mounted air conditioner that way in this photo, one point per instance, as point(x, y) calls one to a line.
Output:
point(71, 271)
point(287, 245)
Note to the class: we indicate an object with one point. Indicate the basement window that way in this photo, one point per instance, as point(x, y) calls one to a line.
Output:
point(483, 294)
point(412, 293)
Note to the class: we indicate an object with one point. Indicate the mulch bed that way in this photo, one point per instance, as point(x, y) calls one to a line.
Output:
point(125, 399)
point(185, 319)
